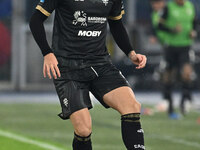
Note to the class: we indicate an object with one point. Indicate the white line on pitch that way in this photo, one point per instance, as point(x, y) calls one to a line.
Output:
point(176, 140)
point(29, 141)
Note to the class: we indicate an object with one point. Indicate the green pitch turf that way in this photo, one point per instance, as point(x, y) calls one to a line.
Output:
point(39, 122)
point(10, 144)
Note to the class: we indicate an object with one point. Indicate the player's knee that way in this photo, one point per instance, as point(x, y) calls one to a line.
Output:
point(133, 107)
point(136, 106)
point(186, 72)
point(167, 76)
point(83, 131)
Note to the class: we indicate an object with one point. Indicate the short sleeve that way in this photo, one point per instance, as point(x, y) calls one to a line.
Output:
point(47, 6)
point(117, 10)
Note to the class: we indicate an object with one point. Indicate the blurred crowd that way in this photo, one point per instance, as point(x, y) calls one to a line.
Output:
point(5, 38)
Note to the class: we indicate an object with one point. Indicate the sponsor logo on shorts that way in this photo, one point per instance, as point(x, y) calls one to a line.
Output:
point(66, 102)
point(89, 33)
point(140, 131)
point(139, 146)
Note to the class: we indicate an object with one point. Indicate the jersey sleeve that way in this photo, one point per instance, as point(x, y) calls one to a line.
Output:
point(165, 13)
point(47, 6)
point(117, 10)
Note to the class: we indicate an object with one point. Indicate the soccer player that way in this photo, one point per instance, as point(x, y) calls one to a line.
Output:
point(159, 36)
point(178, 22)
point(79, 63)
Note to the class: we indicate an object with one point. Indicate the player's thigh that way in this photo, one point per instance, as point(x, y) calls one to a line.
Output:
point(82, 122)
point(110, 78)
point(113, 90)
point(169, 75)
point(166, 76)
point(123, 100)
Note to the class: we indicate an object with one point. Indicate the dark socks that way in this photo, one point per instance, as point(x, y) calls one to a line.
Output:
point(82, 143)
point(167, 94)
point(186, 90)
point(186, 95)
point(132, 133)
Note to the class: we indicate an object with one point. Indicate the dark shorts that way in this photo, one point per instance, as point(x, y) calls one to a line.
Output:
point(78, 79)
point(176, 57)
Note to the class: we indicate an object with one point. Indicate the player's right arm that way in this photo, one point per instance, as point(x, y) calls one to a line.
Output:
point(43, 10)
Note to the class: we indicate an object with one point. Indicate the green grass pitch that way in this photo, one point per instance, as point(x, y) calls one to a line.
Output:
point(38, 122)
point(10, 144)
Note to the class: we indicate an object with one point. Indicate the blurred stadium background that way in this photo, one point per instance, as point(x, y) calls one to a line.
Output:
point(24, 93)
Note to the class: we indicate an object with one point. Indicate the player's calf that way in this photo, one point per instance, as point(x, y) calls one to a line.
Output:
point(132, 133)
point(82, 123)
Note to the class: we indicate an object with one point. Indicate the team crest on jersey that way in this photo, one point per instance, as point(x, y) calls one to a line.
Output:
point(80, 17)
point(105, 2)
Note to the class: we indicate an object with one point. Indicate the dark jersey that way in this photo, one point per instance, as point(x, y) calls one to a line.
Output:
point(80, 26)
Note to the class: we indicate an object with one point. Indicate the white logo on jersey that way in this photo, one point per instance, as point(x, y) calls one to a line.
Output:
point(89, 33)
point(97, 19)
point(105, 2)
point(66, 102)
point(80, 17)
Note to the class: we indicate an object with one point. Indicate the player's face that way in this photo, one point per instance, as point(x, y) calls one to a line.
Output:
point(180, 2)
point(157, 6)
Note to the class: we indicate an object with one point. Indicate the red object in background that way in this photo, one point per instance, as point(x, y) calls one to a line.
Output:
point(198, 120)
point(5, 44)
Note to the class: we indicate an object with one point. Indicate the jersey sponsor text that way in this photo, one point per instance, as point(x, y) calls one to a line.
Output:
point(89, 33)
point(97, 19)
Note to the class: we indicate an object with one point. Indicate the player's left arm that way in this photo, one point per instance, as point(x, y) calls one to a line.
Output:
point(121, 37)
point(195, 25)
point(193, 32)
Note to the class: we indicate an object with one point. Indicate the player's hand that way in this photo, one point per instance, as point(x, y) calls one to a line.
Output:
point(51, 66)
point(138, 59)
point(177, 28)
point(193, 34)
point(153, 39)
